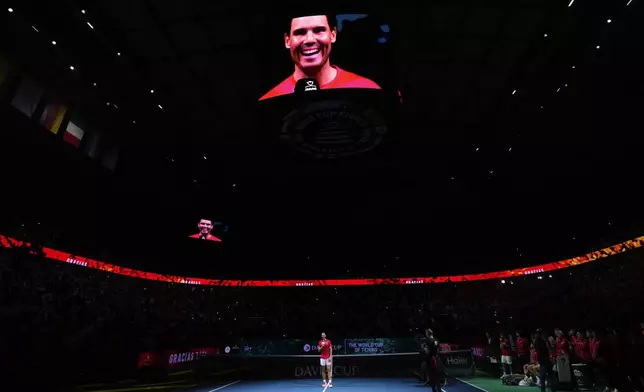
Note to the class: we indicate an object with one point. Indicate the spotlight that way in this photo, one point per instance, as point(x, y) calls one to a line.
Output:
point(53, 43)
point(10, 10)
point(71, 67)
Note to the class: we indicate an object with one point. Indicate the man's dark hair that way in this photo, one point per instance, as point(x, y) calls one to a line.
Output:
point(329, 17)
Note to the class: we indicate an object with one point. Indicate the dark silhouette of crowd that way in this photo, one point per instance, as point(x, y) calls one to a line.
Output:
point(67, 321)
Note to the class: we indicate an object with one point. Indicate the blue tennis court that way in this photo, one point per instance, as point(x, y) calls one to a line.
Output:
point(342, 384)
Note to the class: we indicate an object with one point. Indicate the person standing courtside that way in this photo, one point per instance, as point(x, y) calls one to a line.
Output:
point(432, 361)
point(546, 374)
point(523, 351)
point(506, 354)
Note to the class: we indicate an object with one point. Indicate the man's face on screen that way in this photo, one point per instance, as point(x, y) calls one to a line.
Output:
point(205, 226)
point(310, 41)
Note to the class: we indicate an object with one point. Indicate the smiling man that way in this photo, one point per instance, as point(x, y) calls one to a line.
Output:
point(309, 41)
point(205, 227)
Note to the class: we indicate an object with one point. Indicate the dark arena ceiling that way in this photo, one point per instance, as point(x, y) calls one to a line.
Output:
point(518, 142)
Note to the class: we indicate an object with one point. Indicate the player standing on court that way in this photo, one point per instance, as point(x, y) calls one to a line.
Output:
point(326, 352)
point(432, 363)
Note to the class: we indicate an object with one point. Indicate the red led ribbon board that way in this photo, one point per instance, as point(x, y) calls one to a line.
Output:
point(65, 257)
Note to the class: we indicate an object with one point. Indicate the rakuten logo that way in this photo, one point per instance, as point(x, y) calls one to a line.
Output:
point(420, 281)
point(304, 284)
point(533, 271)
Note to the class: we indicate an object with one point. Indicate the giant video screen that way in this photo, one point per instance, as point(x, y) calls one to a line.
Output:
point(309, 41)
point(208, 230)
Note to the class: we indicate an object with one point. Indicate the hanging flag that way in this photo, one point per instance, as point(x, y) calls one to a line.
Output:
point(27, 97)
point(53, 116)
point(73, 134)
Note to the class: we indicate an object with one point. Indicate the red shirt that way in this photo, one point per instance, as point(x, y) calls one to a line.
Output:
point(522, 346)
point(581, 349)
point(325, 351)
point(505, 347)
point(209, 237)
point(534, 358)
point(594, 347)
point(562, 347)
point(343, 79)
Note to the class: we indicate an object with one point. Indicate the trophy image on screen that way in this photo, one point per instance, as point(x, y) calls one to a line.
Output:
point(205, 227)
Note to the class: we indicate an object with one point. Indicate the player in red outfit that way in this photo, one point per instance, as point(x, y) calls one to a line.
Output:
point(506, 354)
point(593, 345)
point(561, 344)
point(326, 357)
point(582, 349)
point(205, 226)
point(309, 42)
point(523, 350)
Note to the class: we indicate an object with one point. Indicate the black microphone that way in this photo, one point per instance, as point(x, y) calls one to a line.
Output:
point(306, 85)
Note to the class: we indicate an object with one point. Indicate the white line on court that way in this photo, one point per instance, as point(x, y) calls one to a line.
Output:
point(325, 387)
point(225, 386)
point(470, 384)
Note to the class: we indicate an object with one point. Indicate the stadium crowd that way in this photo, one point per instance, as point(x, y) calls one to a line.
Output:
point(65, 320)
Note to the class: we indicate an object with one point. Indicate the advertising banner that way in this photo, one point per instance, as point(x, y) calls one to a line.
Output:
point(458, 363)
point(284, 347)
point(381, 346)
point(170, 358)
